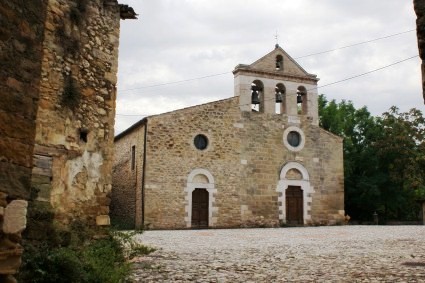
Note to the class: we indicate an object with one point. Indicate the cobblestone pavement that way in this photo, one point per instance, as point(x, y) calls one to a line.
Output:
point(310, 254)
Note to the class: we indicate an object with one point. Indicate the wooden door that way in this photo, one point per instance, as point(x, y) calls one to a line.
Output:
point(294, 205)
point(200, 208)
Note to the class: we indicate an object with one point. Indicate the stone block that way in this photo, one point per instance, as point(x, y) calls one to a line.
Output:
point(14, 180)
point(15, 217)
point(3, 199)
point(104, 209)
point(103, 220)
point(11, 261)
point(104, 200)
point(16, 127)
point(17, 151)
point(44, 191)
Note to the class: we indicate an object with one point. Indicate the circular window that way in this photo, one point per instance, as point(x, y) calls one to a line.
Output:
point(294, 138)
point(201, 142)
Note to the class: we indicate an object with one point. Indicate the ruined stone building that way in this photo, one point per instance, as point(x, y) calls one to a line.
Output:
point(419, 6)
point(57, 105)
point(225, 164)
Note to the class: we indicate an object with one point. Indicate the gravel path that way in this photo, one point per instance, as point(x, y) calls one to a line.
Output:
point(310, 254)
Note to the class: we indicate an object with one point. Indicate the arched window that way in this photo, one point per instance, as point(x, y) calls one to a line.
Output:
point(257, 96)
point(280, 93)
point(279, 62)
point(302, 100)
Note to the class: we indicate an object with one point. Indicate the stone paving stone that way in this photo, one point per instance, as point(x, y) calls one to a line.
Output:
point(308, 254)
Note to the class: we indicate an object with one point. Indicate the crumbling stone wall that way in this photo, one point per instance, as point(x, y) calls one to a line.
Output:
point(57, 105)
point(419, 6)
point(21, 37)
point(74, 126)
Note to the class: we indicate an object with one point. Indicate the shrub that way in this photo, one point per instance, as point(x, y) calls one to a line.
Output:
point(51, 265)
point(103, 260)
point(131, 247)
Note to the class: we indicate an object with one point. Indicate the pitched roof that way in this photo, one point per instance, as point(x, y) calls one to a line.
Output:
point(268, 61)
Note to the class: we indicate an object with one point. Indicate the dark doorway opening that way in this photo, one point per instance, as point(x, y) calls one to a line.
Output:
point(200, 208)
point(294, 206)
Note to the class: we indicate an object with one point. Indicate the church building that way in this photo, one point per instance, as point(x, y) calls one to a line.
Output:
point(257, 159)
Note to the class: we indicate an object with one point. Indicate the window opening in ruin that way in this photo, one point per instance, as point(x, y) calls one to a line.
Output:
point(257, 96)
point(280, 92)
point(133, 157)
point(83, 135)
point(201, 142)
point(294, 138)
point(279, 62)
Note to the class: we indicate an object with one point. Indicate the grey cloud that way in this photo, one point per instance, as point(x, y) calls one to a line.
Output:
point(176, 40)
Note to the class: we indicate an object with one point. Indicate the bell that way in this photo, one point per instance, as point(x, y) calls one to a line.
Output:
point(279, 98)
point(255, 98)
point(299, 98)
point(277, 65)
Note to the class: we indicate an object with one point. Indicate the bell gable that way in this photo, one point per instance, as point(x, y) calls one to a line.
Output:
point(279, 61)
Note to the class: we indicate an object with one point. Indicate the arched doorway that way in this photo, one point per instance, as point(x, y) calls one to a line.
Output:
point(200, 199)
point(199, 208)
point(294, 205)
point(295, 194)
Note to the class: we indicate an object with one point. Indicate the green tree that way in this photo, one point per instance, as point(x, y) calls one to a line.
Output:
point(384, 159)
point(362, 176)
point(401, 152)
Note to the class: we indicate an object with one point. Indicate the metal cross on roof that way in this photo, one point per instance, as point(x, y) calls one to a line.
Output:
point(276, 36)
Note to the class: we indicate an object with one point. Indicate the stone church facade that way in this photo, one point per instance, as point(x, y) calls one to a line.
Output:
point(232, 163)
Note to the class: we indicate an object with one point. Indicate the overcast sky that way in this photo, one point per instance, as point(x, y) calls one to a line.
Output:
point(175, 40)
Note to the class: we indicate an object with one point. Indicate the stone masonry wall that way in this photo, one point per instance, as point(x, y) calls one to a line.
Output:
point(419, 6)
point(265, 154)
point(74, 126)
point(21, 36)
point(289, 67)
point(245, 156)
point(21, 32)
point(127, 179)
point(172, 156)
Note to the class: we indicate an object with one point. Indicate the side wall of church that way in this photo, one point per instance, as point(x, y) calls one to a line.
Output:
point(328, 205)
point(73, 154)
point(126, 179)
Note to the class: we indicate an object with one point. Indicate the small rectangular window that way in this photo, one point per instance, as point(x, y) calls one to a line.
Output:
point(133, 157)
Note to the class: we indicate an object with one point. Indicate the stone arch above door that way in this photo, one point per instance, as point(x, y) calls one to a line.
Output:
point(303, 181)
point(200, 178)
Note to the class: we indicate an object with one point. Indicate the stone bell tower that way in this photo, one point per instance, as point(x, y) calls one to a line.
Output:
point(282, 85)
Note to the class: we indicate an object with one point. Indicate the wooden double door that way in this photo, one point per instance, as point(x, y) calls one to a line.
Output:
point(294, 206)
point(200, 208)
